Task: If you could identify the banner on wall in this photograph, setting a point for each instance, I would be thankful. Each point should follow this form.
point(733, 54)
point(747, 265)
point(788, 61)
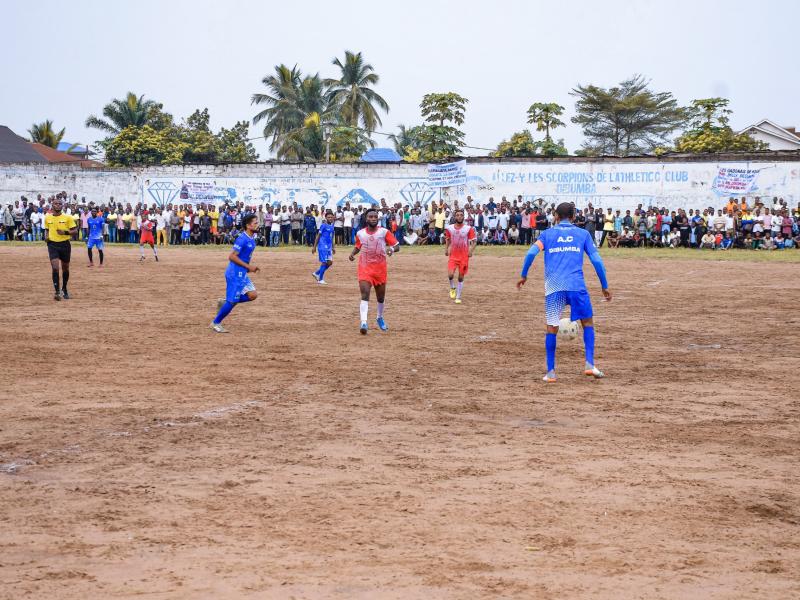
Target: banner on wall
point(735, 181)
point(447, 174)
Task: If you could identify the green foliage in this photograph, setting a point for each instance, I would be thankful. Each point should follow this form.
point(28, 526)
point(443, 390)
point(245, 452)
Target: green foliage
point(523, 144)
point(710, 130)
point(43, 133)
point(351, 96)
point(437, 140)
point(628, 119)
point(145, 146)
point(191, 142)
point(545, 116)
point(520, 144)
point(234, 145)
point(133, 111)
point(349, 143)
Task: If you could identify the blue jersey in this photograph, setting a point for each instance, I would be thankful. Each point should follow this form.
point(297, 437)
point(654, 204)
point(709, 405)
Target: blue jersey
point(325, 236)
point(95, 227)
point(564, 246)
point(243, 246)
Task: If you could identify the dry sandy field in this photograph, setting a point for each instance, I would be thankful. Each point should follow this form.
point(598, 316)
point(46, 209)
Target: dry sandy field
point(142, 455)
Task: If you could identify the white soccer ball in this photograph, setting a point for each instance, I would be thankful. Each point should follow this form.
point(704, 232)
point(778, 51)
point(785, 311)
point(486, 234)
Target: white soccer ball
point(568, 330)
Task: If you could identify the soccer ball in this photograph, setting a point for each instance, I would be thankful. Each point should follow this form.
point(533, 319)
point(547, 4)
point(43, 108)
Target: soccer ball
point(568, 330)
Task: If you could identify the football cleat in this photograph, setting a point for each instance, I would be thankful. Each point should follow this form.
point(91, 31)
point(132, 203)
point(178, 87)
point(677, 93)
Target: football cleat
point(458, 300)
point(550, 378)
point(363, 328)
point(322, 282)
point(382, 324)
point(594, 372)
point(218, 328)
point(65, 295)
point(452, 293)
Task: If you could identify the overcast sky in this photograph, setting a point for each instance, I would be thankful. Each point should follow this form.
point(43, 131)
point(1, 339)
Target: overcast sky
point(65, 60)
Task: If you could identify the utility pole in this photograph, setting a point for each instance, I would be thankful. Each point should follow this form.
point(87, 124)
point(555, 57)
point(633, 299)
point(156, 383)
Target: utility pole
point(327, 132)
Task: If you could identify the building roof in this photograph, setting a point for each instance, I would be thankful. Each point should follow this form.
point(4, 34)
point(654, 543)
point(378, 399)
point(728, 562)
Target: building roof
point(14, 149)
point(767, 127)
point(381, 155)
point(78, 149)
point(54, 156)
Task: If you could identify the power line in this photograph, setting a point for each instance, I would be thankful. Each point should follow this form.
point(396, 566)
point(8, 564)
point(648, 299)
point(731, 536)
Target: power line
point(263, 137)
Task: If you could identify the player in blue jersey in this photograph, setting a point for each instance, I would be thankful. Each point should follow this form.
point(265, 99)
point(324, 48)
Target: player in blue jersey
point(564, 246)
point(239, 287)
point(323, 244)
point(95, 239)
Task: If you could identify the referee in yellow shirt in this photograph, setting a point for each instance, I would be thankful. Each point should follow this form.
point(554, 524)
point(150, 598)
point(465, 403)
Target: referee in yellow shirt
point(58, 230)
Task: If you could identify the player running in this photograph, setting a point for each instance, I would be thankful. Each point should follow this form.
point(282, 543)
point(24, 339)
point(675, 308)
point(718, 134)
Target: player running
point(564, 284)
point(324, 244)
point(375, 244)
point(146, 237)
point(460, 241)
point(238, 284)
point(95, 239)
point(58, 230)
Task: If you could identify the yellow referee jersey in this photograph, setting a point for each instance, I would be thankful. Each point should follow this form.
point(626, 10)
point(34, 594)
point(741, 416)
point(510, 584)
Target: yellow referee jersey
point(53, 224)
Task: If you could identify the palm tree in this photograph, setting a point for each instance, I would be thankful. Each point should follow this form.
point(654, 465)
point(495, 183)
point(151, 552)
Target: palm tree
point(297, 111)
point(351, 93)
point(43, 133)
point(405, 137)
point(133, 111)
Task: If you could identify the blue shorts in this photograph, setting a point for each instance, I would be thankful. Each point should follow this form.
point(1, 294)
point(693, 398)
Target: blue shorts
point(90, 243)
point(580, 306)
point(237, 284)
point(185, 235)
point(325, 254)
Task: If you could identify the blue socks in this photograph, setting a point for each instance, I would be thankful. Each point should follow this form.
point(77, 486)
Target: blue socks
point(550, 347)
point(224, 312)
point(588, 344)
point(243, 298)
point(321, 271)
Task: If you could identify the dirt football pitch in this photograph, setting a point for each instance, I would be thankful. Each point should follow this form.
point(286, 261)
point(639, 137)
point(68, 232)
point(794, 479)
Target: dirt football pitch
point(142, 455)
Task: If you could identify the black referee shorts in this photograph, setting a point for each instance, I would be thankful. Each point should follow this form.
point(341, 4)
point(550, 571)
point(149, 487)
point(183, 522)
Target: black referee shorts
point(59, 250)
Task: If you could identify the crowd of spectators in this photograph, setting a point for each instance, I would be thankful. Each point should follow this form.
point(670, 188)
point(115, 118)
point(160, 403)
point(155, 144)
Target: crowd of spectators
point(743, 224)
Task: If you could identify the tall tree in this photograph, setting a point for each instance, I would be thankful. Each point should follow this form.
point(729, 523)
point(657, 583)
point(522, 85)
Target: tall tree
point(626, 119)
point(132, 111)
point(545, 116)
point(296, 112)
point(352, 94)
point(711, 132)
point(436, 139)
point(43, 133)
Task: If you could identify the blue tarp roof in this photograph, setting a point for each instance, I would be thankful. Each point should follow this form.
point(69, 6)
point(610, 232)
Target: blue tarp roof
point(381, 155)
point(64, 146)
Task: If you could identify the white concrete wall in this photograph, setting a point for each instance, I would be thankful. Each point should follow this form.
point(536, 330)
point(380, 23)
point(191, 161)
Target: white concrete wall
point(617, 184)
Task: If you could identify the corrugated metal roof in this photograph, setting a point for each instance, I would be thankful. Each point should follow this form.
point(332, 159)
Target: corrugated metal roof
point(381, 155)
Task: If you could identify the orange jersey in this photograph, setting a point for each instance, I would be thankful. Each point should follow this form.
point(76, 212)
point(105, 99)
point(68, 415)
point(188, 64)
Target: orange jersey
point(372, 255)
point(459, 237)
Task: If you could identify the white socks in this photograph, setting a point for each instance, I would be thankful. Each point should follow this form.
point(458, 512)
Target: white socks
point(458, 290)
point(380, 309)
point(364, 310)
point(452, 284)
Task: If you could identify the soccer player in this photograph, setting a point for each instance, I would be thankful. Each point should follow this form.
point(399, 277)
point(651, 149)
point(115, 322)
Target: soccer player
point(146, 237)
point(95, 238)
point(58, 230)
point(375, 244)
point(239, 287)
point(324, 244)
point(460, 242)
point(564, 284)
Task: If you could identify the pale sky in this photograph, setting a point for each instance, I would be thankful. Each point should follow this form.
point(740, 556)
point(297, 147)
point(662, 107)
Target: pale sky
point(65, 60)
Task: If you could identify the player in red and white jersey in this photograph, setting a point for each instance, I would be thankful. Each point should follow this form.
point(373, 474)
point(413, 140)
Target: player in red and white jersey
point(460, 241)
point(374, 244)
point(146, 236)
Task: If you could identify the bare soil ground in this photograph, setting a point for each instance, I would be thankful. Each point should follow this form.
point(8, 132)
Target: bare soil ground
point(143, 455)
